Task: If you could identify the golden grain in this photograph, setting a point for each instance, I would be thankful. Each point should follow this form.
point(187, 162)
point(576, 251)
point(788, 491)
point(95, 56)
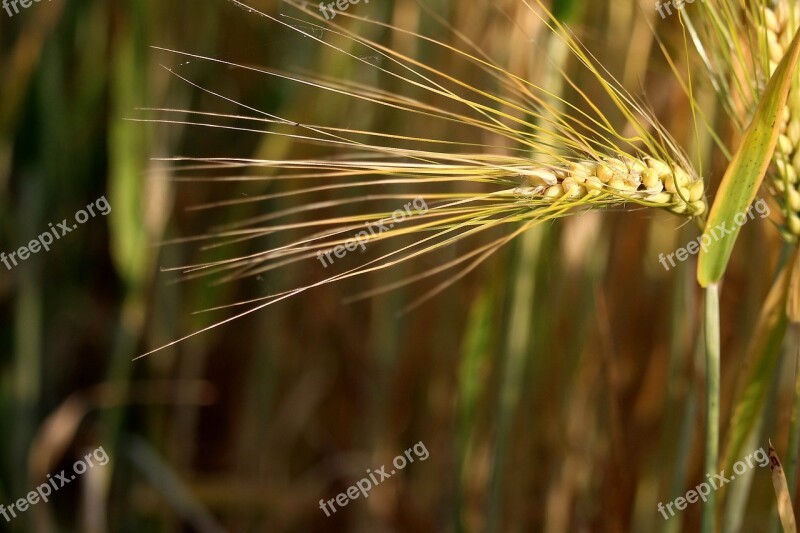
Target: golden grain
point(626, 179)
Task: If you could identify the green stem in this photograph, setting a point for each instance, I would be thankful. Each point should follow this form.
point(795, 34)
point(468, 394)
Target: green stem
point(794, 433)
point(519, 339)
point(712, 400)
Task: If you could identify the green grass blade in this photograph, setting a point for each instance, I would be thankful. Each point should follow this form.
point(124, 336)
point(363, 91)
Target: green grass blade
point(475, 354)
point(747, 168)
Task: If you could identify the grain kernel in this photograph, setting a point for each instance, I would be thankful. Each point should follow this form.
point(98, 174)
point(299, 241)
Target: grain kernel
point(570, 186)
point(593, 184)
point(772, 36)
point(771, 20)
point(793, 131)
point(581, 170)
point(660, 198)
point(659, 166)
point(698, 207)
point(650, 178)
point(794, 224)
point(604, 172)
point(775, 51)
point(785, 144)
point(669, 183)
point(682, 178)
point(794, 199)
point(680, 208)
point(553, 191)
point(696, 191)
point(791, 174)
point(617, 184)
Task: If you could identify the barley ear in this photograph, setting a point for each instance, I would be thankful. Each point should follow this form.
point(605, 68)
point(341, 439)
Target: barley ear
point(776, 28)
point(747, 168)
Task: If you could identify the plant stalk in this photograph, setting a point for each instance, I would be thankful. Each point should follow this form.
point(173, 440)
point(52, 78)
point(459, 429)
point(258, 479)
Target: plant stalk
point(709, 518)
point(794, 433)
point(793, 315)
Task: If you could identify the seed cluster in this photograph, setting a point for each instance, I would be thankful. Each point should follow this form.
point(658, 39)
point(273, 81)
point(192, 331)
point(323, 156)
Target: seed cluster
point(648, 180)
point(780, 21)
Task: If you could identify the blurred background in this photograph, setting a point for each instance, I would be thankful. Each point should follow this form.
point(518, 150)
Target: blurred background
point(557, 388)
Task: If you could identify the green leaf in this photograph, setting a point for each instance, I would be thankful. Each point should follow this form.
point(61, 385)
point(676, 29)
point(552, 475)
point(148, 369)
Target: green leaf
point(747, 168)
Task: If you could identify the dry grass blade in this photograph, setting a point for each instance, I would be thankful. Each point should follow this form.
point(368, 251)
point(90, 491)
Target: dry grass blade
point(785, 510)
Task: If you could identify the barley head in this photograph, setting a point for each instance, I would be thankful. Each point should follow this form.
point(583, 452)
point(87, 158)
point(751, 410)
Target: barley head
point(741, 44)
point(547, 158)
point(779, 25)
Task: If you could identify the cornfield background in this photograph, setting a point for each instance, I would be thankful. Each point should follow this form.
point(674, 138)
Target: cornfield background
point(557, 387)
